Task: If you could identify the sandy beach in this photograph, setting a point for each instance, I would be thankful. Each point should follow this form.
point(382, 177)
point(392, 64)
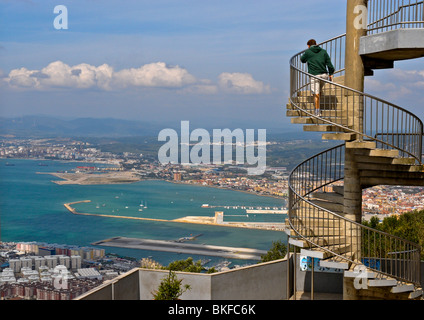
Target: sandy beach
point(91, 179)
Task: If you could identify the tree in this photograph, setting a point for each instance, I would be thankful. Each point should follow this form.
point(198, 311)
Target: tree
point(170, 288)
point(188, 266)
point(408, 226)
point(277, 251)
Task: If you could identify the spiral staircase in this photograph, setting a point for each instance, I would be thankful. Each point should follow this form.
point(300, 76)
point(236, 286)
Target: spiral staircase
point(381, 144)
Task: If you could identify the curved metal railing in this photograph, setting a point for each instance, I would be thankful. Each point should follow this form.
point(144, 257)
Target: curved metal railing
point(372, 119)
point(389, 15)
point(381, 252)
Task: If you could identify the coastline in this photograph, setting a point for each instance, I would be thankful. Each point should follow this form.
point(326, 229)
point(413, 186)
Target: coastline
point(120, 177)
point(94, 179)
point(128, 177)
point(223, 188)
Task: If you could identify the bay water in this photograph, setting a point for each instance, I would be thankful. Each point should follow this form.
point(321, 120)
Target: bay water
point(32, 209)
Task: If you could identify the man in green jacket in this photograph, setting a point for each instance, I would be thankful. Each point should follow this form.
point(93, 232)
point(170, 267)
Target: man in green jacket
point(319, 65)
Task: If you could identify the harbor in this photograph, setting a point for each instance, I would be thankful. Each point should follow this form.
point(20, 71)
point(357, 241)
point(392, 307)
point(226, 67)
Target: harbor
point(217, 219)
point(249, 209)
point(182, 247)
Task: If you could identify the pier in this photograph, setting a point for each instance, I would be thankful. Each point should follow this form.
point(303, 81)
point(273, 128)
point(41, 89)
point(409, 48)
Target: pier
point(250, 209)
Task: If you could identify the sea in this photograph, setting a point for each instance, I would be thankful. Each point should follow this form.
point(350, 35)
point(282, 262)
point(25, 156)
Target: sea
point(32, 209)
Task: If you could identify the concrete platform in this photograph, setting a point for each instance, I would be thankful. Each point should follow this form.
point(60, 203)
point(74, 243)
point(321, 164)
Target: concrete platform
point(393, 45)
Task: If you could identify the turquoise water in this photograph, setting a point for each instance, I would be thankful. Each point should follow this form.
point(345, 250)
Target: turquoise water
point(31, 209)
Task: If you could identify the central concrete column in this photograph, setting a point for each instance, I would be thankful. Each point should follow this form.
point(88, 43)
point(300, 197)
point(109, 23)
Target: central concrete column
point(355, 29)
point(352, 202)
point(356, 17)
point(356, 14)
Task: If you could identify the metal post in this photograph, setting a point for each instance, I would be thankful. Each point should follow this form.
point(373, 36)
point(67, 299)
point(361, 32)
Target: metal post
point(294, 273)
point(312, 278)
point(288, 268)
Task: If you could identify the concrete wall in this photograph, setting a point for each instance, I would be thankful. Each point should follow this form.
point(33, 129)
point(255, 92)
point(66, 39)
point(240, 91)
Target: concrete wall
point(123, 287)
point(325, 282)
point(264, 281)
point(200, 284)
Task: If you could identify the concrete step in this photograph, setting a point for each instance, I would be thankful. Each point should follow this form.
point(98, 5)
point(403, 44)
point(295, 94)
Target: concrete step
point(328, 240)
point(337, 262)
point(418, 292)
point(403, 287)
point(312, 120)
point(312, 210)
point(324, 128)
point(389, 167)
point(338, 189)
point(332, 206)
point(339, 80)
point(319, 222)
point(371, 181)
point(339, 136)
point(326, 252)
point(388, 153)
point(324, 113)
point(382, 282)
point(404, 161)
point(328, 99)
point(322, 235)
point(324, 104)
point(360, 144)
point(401, 175)
point(385, 160)
point(328, 196)
point(314, 231)
point(310, 106)
point(326, 90)
point(355, 272)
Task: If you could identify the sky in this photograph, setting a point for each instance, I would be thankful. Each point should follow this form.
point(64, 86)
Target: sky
point(214, 63)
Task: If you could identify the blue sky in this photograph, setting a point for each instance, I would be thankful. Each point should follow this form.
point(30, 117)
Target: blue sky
point(215, 63)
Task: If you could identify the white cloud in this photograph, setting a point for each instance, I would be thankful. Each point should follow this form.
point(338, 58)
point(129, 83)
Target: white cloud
point(396, 84)
point(59, 74)
point(378, 86)
point(241, 83)
point(204, 86)
point(153, 75)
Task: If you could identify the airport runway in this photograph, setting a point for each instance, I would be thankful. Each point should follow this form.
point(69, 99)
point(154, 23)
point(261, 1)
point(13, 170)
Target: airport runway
point(182, 247)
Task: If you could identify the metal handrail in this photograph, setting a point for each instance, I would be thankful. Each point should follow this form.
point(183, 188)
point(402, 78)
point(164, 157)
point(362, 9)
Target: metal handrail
point(316, 174)
point(387, 15)
point(378, 115)
point(377, 118)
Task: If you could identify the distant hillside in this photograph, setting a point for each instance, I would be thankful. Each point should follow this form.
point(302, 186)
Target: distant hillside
point(39, 126)
point(43, 126)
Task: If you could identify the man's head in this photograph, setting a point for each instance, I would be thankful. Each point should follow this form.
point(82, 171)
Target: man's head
point(311, 42)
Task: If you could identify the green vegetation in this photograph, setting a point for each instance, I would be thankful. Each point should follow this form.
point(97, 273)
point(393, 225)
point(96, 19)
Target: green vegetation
point(188, 266)
point(170, 288)
point(277, 251)
point(408, 226)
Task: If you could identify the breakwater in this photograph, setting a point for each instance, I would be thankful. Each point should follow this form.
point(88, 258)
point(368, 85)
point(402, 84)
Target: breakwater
point(189, 219)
